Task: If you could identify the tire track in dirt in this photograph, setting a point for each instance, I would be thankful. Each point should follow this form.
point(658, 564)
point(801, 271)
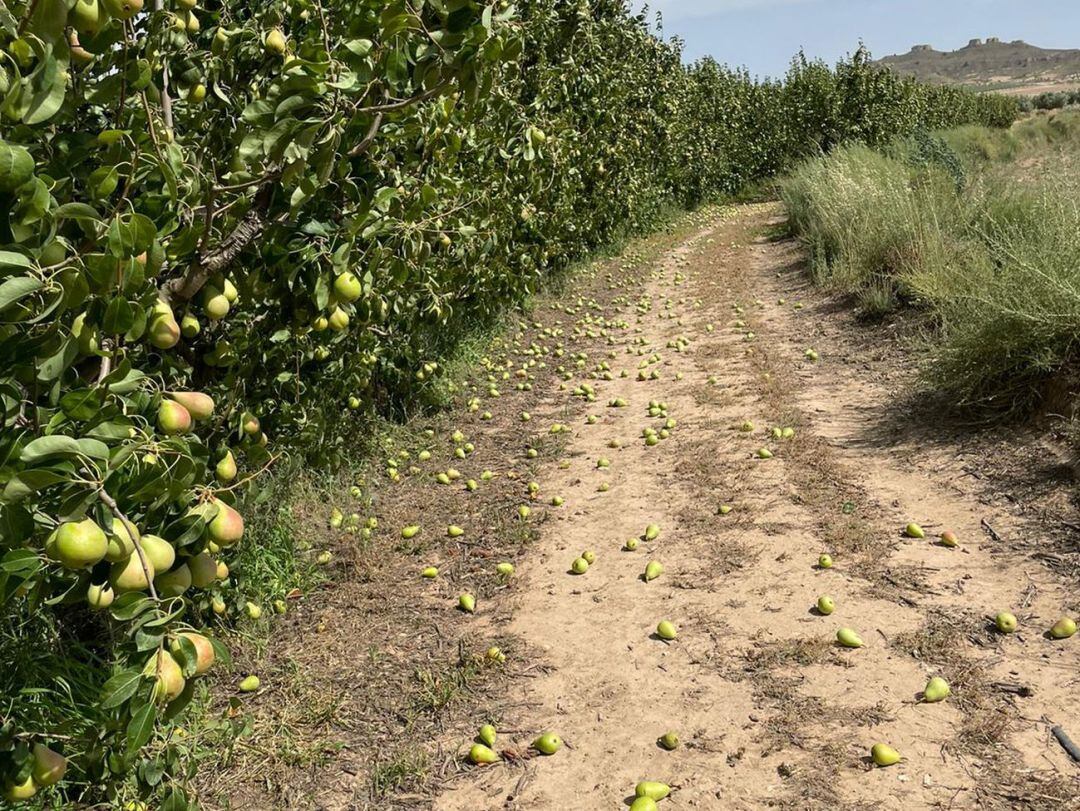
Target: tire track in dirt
point(770, 711)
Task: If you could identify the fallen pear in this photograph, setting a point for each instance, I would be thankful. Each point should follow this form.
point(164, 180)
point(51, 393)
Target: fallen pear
point(666, 630)
point(547, 744)
point(669, 740)
point(652, 532)
point(948, 538)
point(652, 789)
point(524, 512)
point(486, 735)
point(825, 604)
point(653, 569)
point(1063, 628)
point(824, 561)
point(631, 544)
point(1005, 622)
point(482, 755)
point(914, 531)
point(467, 603)
point(589, 556)
point(884, 755)
point(249, 684)
point(764, 453)
point(430, 572)
point(848, 638)
point(579, 566)
point(504, 569)
point(410, 531)
point(937, 689)
point(454, 531)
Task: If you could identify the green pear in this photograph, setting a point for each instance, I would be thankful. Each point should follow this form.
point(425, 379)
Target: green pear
point(250, 684)
point(524, 512)
point(504, 569)
point(21, 791)
point(200, 406)
point(430, 572)
point(825, 604)
point(653, 570)
point(547, 744)
point(203, 570)
point(652, 532)
point(467, 603)
point(579, 566)
point(77, 544)
point(99, 596)
point(173, 418)
point(948, 538)
point(666, 630)
point(652, 789)
point(589, 556)
point(454, 531)
point(669, 740)
point(225, 470)
point(348, 287)
point(631, 544)
point(160, 554)
point(482, 755)
point(123, 9)
point(914, 531)
point(174, 583)
point(1005, 622)
point(486, 735)
point(824, 561)
point(1063, 628)
point(275, 42)
point(764, 453)
point(848, 638)
point(644, 804)
point(936, 690)
point(884, 755)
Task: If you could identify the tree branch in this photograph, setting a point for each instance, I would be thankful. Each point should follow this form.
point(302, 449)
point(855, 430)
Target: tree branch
point(206, 264)
point(369, 138)
point(110, 502)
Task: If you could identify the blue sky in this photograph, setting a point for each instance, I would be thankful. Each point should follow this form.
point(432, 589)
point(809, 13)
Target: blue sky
point(764, 34)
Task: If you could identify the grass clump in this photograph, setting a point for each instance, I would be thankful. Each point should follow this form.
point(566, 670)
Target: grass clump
point(957, 226)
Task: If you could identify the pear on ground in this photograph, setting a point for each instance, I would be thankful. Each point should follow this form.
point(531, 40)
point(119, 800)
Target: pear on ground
point(884, 755)
point(547, 744)
point(653, 570)
point(644, 804)
point(1063, 628)
point(666, 630)
point(937, 689)
point(652, 789)
point(913, 530)
point(848, 638)
point(1005, 622)
point(482, 755)
point(487, 735)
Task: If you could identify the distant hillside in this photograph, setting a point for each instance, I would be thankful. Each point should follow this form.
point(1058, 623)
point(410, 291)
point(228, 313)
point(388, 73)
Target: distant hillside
point(992, 64)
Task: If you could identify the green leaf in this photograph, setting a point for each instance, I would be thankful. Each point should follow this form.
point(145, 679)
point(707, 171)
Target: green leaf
point(81, 404)
point(120, 687)
point(48, 85)
point(140, 728)
point(47, 447)
point(22, 562)
point(28, 482)
point(16, 166)
point(17, 288)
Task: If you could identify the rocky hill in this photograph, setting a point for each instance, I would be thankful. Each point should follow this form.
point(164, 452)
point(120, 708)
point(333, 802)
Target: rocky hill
point(992, 64)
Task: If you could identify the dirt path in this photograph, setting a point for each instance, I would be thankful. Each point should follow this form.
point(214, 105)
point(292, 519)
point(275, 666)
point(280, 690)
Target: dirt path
point(770, 711)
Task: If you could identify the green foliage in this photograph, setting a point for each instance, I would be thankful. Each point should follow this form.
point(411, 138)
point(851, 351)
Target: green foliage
point(297, 208)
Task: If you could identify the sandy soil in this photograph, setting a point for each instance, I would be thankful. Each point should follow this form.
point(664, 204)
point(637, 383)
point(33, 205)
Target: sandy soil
point(769, 710)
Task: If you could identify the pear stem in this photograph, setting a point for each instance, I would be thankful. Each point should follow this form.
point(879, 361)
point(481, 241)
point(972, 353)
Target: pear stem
point(133, 533)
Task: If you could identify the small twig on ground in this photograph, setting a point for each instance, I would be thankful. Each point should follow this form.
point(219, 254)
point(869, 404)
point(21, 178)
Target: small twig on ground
point(1066, 742)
